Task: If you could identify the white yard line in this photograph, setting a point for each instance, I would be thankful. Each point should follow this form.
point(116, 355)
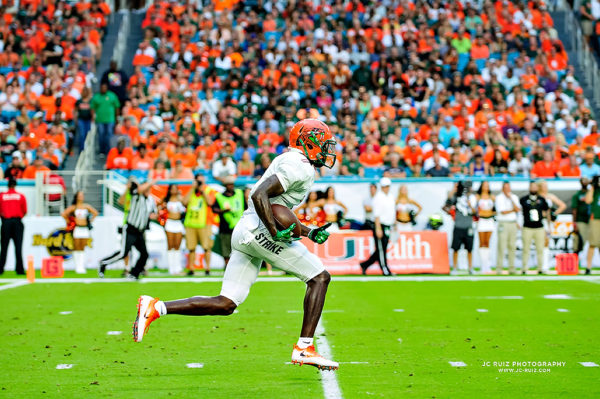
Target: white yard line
point(13, 284)
point(331, 388)
point(594, 279)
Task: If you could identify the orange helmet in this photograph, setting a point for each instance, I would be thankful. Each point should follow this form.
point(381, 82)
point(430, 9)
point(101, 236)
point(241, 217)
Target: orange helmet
point(314, 139)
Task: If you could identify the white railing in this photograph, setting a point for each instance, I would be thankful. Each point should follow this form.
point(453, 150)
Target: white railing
point(582, 51)
point(124, 29)
point(85, 162)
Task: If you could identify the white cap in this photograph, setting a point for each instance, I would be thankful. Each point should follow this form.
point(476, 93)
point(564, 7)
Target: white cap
point(385, 182)
point(413, 142)
point(570, 79)
point(405, 107)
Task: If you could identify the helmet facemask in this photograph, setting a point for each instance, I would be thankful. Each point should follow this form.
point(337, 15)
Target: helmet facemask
point(326, 157)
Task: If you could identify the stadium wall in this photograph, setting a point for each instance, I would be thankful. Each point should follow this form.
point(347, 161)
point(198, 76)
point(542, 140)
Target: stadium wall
point(46, 235)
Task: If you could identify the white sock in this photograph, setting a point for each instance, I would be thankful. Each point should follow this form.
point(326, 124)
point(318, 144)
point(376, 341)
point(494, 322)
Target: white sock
point(546, 263)
point(161, 308)
point(170, 261)
point(78, 259)
point(484, 258)
point(304, 343)
point(176, 261)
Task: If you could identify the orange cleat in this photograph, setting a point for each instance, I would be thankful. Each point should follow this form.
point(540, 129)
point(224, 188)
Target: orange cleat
point(146, 314)
point(312, 358)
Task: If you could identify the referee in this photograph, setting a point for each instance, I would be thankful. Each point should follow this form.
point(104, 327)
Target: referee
point(534, 209)
point(384, 214)
point(142, 208)
point(13, 207)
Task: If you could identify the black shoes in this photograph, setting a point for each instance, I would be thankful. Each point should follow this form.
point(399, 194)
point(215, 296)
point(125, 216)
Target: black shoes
point(364, 269)
point(588, 272)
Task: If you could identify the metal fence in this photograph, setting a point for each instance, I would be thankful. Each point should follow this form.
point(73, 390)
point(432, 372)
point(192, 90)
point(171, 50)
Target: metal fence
point(124, 29)
point(582, 51)
point(54, 190)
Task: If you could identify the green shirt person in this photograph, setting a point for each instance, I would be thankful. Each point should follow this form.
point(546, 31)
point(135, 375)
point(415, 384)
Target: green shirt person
point(105, 105)
point(462, 44)
point(592, 198)
point(581, 214)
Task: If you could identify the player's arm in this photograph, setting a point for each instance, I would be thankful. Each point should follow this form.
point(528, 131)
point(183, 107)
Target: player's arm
point(269, 188)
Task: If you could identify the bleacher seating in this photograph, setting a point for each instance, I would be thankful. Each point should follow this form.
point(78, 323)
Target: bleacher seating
point(49, 54)
point(498, 71)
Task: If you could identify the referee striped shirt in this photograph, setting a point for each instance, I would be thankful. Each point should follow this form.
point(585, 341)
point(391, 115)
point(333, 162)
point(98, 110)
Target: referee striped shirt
point(139, 211)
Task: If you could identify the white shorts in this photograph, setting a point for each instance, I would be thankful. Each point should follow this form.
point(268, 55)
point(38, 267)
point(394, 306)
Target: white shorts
point(174, 226)
point(251, 244)
point(405, 226)
point(486, 225)
point(80, 232)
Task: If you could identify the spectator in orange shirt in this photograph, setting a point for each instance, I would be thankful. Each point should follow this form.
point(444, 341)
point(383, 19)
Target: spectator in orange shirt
point(119, 157)
point(571, 169)
point(369, 158)
point(36, 166)
point(480, 50)
point(132, 108)
point(142, 160)
point(413, 157)
point(546, 167)
point(47, 103)
point(180, 171)
point(385, 110)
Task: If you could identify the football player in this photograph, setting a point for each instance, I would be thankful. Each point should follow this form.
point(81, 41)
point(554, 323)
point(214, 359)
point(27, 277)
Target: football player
point(256, 238)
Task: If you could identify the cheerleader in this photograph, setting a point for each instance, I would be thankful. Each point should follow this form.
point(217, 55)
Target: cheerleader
point(174, 209)
point(555, 207)
point(407, 210)
point(311, 211)
point(334, 209)
point(485, 224)
point(80, 215)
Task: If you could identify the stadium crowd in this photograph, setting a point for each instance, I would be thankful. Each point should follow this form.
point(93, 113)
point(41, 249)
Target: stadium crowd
point(409, 88)
point(48, 56)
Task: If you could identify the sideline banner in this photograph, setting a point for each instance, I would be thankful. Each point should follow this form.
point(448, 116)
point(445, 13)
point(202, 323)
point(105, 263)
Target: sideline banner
point(412, 253)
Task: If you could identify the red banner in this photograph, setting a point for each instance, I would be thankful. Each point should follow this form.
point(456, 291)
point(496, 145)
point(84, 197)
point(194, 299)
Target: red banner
point(413, 253)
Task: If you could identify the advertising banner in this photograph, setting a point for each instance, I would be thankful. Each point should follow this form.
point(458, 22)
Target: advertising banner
point(412, 252)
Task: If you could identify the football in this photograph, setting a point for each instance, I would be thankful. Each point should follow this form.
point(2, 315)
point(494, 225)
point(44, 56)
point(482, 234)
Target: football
point(284, 217)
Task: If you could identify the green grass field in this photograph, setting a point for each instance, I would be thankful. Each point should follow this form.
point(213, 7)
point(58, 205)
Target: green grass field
point(393, 339)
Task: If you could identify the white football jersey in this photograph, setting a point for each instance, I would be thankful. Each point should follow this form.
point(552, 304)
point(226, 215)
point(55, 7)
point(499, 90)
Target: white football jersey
point(296, 175)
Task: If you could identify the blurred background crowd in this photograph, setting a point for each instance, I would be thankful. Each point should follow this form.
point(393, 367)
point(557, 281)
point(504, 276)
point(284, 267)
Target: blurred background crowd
point(410, 88)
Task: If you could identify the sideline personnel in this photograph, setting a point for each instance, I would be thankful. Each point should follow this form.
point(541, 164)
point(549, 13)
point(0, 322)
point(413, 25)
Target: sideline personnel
point(13, 207)
point(384, 213)
point(229, 206)
point(507, 209)
point(141, 211)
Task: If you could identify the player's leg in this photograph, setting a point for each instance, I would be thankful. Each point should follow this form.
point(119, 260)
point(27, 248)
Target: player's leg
point(382, 245)
point(364, 265)
point(527, 236)
point(4, 241)
point(296, 259)
point(239, 277)
point(314, 300)
point(140, 245)
point(127, 241)
point(18, 243)
point(191, 242)
point(206, 242)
